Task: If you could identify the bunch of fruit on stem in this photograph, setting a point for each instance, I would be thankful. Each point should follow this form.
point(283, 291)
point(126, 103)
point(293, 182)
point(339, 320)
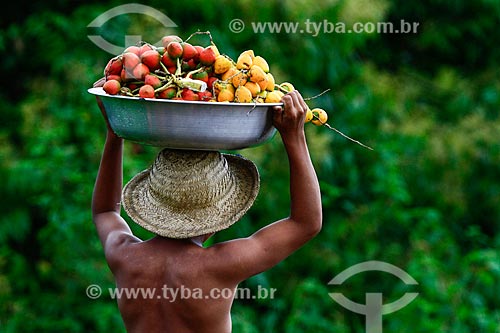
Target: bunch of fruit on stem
point(182, 71)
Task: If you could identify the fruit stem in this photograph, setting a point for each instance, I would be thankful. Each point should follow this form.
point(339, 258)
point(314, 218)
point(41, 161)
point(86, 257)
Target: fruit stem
point(165, 86)
point(339, 132)
point(178, 71)
point(200, 33)
point(201, 69)
point(316, 96)
point(165, 69)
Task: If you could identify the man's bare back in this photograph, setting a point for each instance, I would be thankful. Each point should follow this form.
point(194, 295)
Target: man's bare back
point(161, 263)
point(175, 274)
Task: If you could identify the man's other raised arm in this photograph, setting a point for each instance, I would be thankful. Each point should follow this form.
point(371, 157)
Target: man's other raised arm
point(107, 192)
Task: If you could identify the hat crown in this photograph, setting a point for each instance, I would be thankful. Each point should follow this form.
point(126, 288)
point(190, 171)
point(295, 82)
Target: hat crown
point(187, 179)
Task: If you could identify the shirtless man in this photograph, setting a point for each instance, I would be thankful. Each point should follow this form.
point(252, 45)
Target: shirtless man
point(185, 262)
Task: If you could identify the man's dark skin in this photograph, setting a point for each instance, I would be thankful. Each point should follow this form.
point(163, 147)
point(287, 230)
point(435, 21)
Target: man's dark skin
point(185, 263)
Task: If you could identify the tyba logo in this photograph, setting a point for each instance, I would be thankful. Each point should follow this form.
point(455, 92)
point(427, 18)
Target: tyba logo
point(373, 308)
point(131, 8)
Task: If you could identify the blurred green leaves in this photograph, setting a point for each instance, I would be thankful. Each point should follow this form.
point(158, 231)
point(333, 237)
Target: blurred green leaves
point(426, 199)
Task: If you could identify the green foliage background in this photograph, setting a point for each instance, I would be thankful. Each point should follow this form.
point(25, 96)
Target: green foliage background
point(426, 200)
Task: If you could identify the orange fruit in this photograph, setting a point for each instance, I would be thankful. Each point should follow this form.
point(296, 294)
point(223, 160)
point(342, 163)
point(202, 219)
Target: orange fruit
point(239, 79)
point(309, 116)
point(287, 86)
point(243, 95)
point(221, 64)
point(256, 74)
point(253, 87)
point(244, 61)
point(261, 62)
point(270, 82)
point(225, 95)
point(273, 97)
point(229, 74)
point(320, 116)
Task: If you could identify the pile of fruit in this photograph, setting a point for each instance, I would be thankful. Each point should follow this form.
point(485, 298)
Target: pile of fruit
point(180, 70)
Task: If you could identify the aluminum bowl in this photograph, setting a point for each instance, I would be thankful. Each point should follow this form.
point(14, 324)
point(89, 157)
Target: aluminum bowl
point(188, 125)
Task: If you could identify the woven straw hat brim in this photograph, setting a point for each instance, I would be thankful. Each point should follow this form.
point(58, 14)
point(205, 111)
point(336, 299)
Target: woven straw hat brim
point(194, 221)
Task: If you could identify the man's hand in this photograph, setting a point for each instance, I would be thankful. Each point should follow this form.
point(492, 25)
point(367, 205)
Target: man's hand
point(289, 119)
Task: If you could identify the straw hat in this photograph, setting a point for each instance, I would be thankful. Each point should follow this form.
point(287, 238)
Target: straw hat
point(188, 193)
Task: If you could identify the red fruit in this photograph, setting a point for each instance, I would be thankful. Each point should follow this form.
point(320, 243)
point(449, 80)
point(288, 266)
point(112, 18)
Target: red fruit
point(147, 91)
point(202, 76)
point(165, 40)
point(174, 49)
point(189, 95)
point(140, 72)
point(188, 51)
point(186, 66)
point(126, 75)
point(167, 61)
point(207, 56)
point(210, 82)
point(130, 60)
point(199, 49)
point(153, 81)
point(114, 66)
point(112, 87)
point(172, 69)
point(133, 86)
point(205, 95)
point(168, 93)
point(114, 77)
point(133, 49)
point(151, 59)
point(192, 63)
point(145, 48)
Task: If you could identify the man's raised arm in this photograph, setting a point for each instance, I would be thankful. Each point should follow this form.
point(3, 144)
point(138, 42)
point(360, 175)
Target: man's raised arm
point(246, 257)
point(107, 191)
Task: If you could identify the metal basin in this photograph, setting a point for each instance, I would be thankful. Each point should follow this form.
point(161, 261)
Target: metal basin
point(188, 125)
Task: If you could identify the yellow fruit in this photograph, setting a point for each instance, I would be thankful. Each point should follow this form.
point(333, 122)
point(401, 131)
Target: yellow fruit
point(239, 79)
point(320, 116)
point(263, 94)
point(221, 85)
point(250, 53)
point(261, 62)
point(263, 84)
point(309, 115)
point(253, 87)
point(270, 82)
point(221, 64)
point(287, 86)
point(225, 95)
point(243, 95)
point(273, 97)
point(244, 61)
point(228, 75)
point(256, 74)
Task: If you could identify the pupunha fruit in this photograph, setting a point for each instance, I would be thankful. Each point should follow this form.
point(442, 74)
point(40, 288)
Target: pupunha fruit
point(147, 91)
point(112, 87)
point(243, 95)
point(320, 116)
